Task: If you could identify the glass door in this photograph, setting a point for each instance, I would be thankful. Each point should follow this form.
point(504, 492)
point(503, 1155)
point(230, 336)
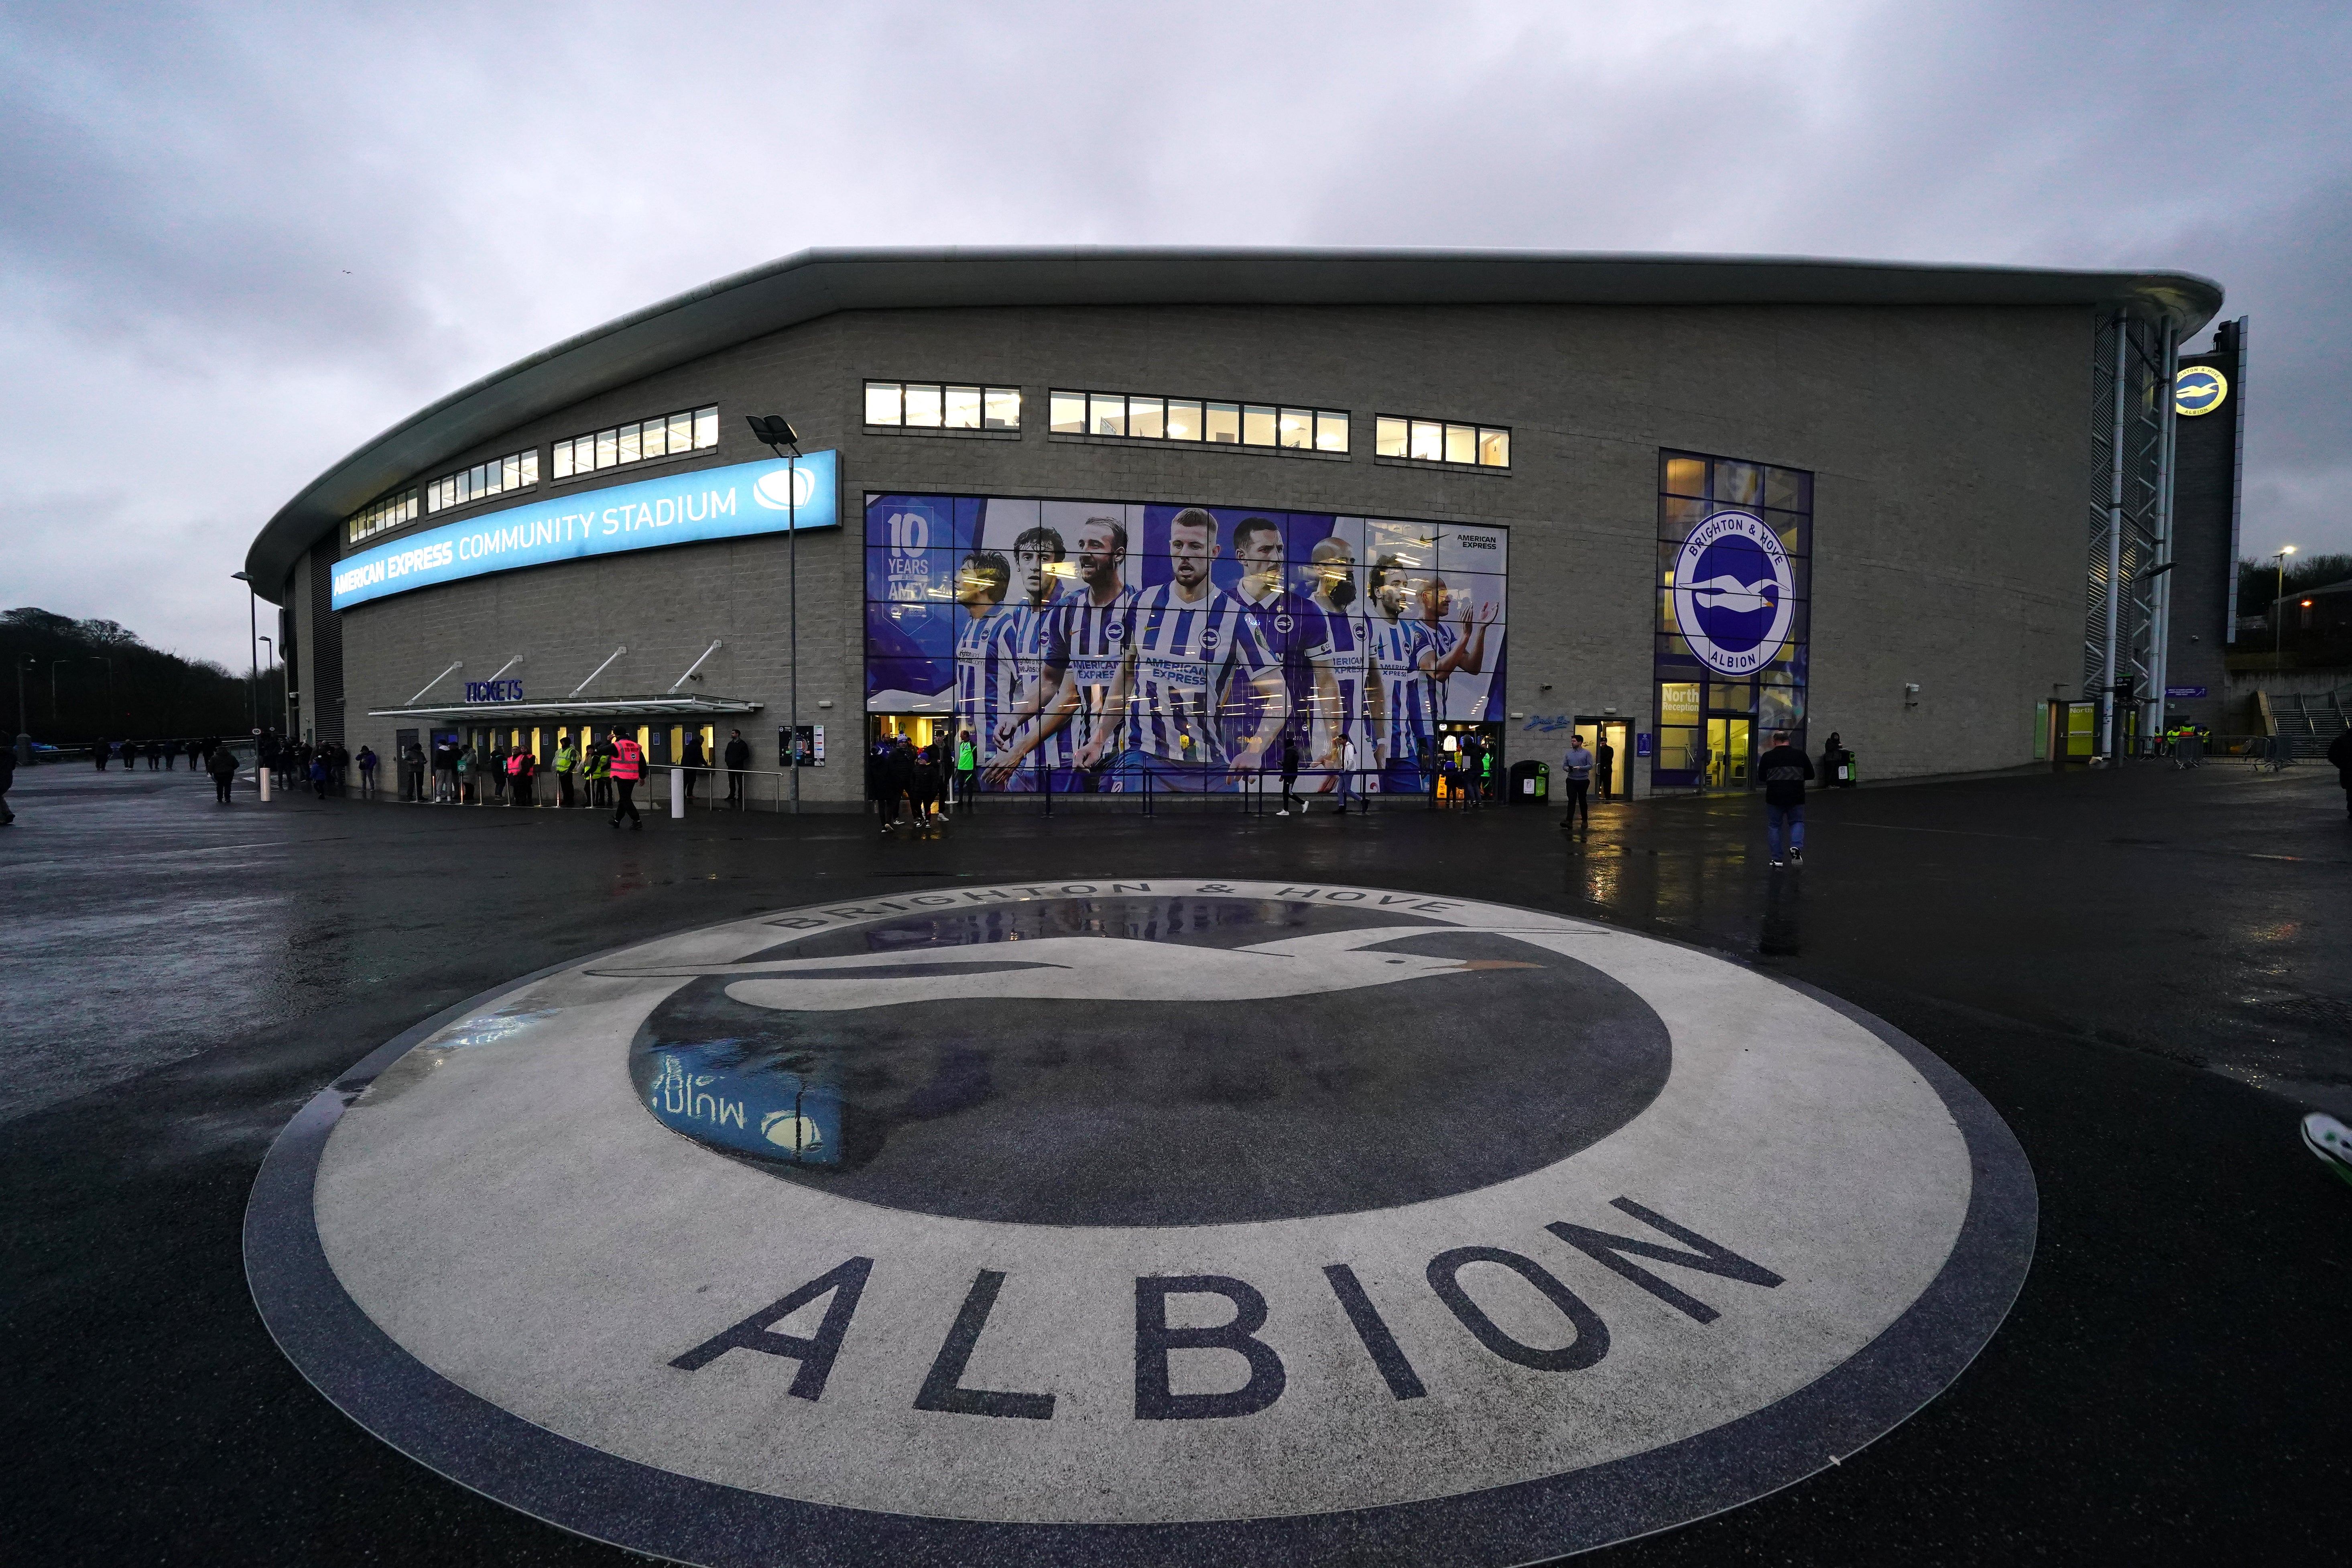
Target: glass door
point(1729, 752)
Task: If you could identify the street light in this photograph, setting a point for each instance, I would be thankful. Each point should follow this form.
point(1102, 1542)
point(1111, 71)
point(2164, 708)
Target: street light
point(2278, 608)
point(772, 431)
point(252, 654)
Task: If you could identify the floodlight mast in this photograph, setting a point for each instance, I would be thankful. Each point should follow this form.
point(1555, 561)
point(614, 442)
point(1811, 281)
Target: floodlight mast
point(778, 436)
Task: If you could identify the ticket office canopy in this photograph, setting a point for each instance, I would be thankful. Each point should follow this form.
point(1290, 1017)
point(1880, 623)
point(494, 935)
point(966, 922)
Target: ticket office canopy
point(609, 709)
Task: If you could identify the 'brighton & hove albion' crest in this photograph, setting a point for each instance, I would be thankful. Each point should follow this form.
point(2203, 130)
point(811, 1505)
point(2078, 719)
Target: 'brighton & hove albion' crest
point(1734, 593)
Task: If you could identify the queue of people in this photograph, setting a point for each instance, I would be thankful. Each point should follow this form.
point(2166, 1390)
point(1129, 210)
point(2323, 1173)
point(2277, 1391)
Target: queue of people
point(604, 773)
point(900, 774)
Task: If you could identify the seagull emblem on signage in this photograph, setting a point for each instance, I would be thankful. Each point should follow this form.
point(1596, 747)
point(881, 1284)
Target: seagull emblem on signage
point(1079, 969)
point(1731, 593)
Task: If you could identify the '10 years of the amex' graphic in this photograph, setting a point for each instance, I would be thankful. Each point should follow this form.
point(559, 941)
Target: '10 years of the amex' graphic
point(1285, 1221)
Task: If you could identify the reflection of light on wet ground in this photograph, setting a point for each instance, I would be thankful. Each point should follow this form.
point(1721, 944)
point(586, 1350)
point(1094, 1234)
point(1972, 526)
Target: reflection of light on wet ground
point(490, 1029)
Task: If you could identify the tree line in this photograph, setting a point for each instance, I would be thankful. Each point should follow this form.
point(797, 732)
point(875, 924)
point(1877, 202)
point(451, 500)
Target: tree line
point(87, 679)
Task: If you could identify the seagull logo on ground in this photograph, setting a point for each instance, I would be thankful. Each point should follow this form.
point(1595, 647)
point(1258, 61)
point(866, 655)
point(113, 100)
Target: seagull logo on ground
point(1081, 969)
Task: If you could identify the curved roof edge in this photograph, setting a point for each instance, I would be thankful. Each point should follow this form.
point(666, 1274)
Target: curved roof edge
point(817, 283)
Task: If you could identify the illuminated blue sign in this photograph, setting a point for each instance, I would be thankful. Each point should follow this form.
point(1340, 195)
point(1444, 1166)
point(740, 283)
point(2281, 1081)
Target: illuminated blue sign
point(494, 691)
point(678, 509)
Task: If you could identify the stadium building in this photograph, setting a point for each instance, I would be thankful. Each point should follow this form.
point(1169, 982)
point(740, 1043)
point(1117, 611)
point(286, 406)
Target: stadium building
point(1130, 517)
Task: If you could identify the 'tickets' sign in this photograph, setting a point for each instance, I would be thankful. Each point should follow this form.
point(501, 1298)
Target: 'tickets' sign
point(679, 508)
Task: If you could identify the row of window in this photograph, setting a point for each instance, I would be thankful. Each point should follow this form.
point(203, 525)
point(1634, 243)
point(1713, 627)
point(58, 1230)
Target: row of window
point(935, 405)
point(390, 513)
point(1197, 419)
point(689, 430)
point(1436, 441)
point(514, 471)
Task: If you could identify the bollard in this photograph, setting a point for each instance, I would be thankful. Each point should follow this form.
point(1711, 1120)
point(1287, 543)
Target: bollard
point(677, 792)
point(263, 774)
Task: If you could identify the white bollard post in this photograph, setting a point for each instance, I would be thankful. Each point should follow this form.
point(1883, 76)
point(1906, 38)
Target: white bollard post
point(263, 774)
point(677, 792)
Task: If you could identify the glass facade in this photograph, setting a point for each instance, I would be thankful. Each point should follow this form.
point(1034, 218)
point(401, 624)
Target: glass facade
point(669, 435)
point(1440, 441)
point(389, 513)
point(1734, 590)
point(942, 405)
point(516, 470)
point(1086, 644)
point(1128, 417)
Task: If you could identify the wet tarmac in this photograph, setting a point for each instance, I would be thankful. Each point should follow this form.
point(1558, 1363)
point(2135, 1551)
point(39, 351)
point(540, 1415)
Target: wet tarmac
point(2147, 974)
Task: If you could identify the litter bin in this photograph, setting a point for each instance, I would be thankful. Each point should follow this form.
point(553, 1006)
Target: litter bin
point(1530, 783)
point(1842, 774)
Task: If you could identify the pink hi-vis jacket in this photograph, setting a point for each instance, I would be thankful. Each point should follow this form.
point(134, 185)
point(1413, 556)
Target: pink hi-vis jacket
point(627, 760)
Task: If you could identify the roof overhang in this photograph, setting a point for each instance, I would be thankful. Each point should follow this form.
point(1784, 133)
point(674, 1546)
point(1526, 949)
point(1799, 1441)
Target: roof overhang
point(595, 707)
point(818, 283)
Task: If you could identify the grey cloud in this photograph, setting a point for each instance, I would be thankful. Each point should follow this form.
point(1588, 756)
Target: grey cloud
point(183, 190)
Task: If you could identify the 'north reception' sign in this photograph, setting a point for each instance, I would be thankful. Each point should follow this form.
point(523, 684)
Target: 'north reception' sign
point(678, 509)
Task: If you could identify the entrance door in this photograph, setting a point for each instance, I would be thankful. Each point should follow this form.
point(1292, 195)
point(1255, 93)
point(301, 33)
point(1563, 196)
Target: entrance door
point(1614, 785)
point(1729, 752)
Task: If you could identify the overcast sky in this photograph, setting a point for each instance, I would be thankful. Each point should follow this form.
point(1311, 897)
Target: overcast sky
point(239, 241)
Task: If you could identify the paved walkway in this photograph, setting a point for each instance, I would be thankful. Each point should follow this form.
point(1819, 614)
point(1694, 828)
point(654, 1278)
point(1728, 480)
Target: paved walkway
point(2146, 974)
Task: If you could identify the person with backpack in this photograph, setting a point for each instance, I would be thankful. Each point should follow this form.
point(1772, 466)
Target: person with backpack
point(1784, 770)
point(627, 765)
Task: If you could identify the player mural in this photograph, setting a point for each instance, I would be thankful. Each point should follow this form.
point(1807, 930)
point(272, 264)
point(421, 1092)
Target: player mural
point(1106, 647)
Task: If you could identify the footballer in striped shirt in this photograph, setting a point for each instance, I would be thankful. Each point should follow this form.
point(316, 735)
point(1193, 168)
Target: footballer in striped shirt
point(1289, 627)
point(1405, 658)
point(986, 663)
point(1085, 654)
point(1343, 679)
point(1039, 561)
point(1194, 661)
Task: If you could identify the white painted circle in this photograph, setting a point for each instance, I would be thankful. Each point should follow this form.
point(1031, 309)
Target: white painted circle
point(501, 1204)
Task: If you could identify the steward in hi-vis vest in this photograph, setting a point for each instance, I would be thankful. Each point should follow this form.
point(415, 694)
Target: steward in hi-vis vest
point(628, 765)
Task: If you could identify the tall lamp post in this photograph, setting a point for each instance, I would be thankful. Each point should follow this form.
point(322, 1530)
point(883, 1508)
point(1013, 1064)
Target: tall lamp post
point(252, 653)
point(772, 432)
point(2278, 607)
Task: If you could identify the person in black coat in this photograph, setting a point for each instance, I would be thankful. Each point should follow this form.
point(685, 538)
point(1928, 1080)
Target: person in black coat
point(222, 765)
point(2339, 752)
point(690, 759)
point(1290, 775)
point(926, 785)
point(738, 758)
point(897, 770)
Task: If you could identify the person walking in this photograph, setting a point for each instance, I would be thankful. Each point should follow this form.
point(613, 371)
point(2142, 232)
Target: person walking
point(2339, 754)
point(738, 757)
point(1604, 769)
point(98, 753)
point(1576, 780)
point(1784, 770)
point(897, 770)
point(1290, 775)
point(196, 751)
point(927, 785)
point(317, 772)
point(367, 771)
point(222, 765)
point(566, 759)
point(1347, 759)
point(628, 764)
point(8, 778)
